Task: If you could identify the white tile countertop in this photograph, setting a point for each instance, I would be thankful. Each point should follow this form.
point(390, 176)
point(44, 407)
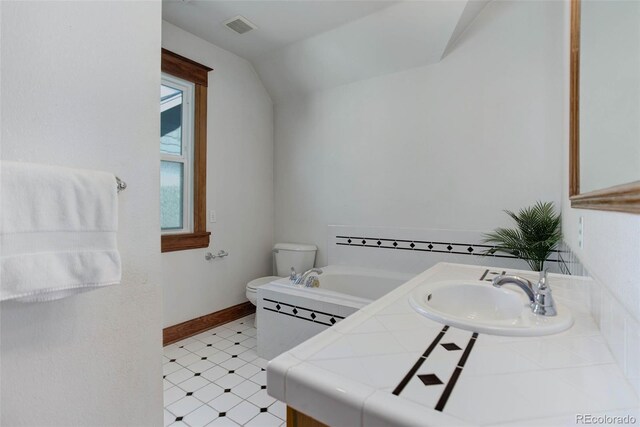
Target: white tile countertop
point(389, 365)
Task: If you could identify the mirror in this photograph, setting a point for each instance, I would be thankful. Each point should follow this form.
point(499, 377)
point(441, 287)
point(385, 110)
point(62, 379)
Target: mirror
point(605, 105)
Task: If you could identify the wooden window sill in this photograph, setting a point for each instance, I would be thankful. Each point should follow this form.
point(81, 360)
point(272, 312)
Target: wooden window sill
point(181, 242)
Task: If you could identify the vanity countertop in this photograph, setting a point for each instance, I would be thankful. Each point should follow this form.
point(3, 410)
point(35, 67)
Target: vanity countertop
point(389, 365)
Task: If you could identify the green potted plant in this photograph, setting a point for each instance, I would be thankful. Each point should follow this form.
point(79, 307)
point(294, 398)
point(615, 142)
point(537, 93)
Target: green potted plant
point(536, 236)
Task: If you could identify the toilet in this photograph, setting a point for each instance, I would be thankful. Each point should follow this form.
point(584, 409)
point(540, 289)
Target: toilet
point(286, 255)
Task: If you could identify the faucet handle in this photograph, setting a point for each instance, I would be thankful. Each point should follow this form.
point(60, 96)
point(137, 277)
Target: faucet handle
point(293, 274)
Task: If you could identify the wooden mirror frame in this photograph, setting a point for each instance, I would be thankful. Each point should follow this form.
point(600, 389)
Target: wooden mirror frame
point(621, 198)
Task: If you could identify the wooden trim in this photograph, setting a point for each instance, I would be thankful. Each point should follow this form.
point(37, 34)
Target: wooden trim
point(195, 326)
point(200, 161)
point(298, 419)
point(620, 198)
point(187, 69)
point(180, 242)
point(574, 101)
point(184, 68)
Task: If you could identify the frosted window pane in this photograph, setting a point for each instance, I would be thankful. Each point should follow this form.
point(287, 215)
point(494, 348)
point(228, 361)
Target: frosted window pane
point(170, 120)
point(171, 195)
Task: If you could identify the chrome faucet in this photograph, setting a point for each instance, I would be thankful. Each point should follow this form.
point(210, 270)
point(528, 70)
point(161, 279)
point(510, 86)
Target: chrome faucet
point(297, 279)
point(540, 298)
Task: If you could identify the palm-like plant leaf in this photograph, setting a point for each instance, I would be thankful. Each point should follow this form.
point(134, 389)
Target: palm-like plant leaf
point(536, 236)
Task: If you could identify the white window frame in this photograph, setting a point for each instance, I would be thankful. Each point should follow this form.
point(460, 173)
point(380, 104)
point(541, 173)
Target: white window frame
point(186, 158)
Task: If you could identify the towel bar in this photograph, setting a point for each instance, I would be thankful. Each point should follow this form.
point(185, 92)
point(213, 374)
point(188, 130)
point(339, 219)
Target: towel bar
point(121, 185)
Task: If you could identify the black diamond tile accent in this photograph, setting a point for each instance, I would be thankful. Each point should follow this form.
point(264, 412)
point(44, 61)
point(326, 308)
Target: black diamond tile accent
point(197, 374)
point(227, 390)
point(379, 242)
point(449, 247)
point(364, 242)
point(235, 355)
point(470, 249)
point(264, 409)
point(278, 307)
point(231, 372)
point(190, 393)
point(313, 315)
point(164, 376)
point(222, 414)
point(172, 360)
point(181, 346)
point(332, 320)
point(262, 369)
point(263, 387)
point(203, 358)
point(239, 332)
point(237, 343)
point(395, 244)
point(208, 345)
point(295, 311)
point(450, 346)
point(242, 323)
point(178, 419)
point(430, 246)
point(429, 379)
point(412, 245)
point(214, 333)
point(349, 241)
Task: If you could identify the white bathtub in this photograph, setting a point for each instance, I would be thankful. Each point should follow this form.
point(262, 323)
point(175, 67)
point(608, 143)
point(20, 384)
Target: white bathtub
point(287, 315)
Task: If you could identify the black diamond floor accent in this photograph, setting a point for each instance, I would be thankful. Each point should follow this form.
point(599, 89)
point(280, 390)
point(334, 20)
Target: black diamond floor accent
point(263, 387)
point(178, 419)
point(278, 307)
point(203, 358)
point(197, 374)
point(430, 246)
point(450, 346)
point(264, 409)
point(470, 249)
point(222, 414)
point(227, 390)
point(379, 242)
point(412, 245)
point(295, 311)
point(235, 355)
point(332, 320)
point(349, 241)
point(313, 315)
point(239, 332)
point(429, 379)
point(449, 247)
point(231, 372)
point(364, 241)
point(190, 393)
point(208, 345)
point(172, 360)
point(395, 244)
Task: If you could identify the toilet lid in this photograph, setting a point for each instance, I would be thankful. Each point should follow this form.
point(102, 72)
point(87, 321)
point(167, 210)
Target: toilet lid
point(261, 281)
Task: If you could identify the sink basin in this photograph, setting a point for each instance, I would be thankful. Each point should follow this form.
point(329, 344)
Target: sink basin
point(478, 306)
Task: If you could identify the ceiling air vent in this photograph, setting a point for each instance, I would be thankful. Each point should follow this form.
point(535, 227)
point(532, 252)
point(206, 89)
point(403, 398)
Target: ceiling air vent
point(240, 24)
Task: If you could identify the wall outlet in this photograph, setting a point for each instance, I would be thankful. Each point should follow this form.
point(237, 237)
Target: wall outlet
point(212, 216)
point(581, 232)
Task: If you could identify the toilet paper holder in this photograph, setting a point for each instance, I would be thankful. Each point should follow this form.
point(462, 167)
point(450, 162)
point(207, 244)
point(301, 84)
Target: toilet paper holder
point(221, 254)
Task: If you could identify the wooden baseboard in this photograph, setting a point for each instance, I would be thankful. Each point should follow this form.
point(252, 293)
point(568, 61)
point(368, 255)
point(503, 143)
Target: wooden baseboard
point(195, 326)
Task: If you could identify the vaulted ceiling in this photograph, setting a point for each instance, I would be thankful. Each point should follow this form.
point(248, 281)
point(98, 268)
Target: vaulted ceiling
point(307, 45)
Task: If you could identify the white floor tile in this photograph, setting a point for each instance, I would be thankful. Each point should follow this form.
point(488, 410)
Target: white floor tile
point(201, 416)
point(245, 389)
point(243, 412)
point(261, 399)
point(183, 406)
point(178, 376)
point(208, 392)
point(225, 402)
point(264, 419)
point(193, 384)
point(173, 394)
point(231, 388)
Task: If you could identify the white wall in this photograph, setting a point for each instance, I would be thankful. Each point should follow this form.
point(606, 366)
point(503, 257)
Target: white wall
point(239, 186)
point(444, 146)
point(611, 255)
point(80, 89)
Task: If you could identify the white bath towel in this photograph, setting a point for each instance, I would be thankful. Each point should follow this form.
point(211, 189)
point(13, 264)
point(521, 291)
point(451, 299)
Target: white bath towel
point(58, 231)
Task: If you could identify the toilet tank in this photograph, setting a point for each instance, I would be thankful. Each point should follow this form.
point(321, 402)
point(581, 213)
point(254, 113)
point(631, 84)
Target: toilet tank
point(299, 256)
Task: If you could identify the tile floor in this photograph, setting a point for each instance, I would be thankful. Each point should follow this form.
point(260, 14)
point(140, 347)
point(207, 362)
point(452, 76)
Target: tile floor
point(217, 379)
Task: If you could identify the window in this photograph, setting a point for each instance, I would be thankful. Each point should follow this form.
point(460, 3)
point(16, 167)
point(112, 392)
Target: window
point(183, 151)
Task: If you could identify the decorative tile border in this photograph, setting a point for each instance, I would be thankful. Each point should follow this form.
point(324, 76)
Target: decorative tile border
point(454, 248)
point(320, 317)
